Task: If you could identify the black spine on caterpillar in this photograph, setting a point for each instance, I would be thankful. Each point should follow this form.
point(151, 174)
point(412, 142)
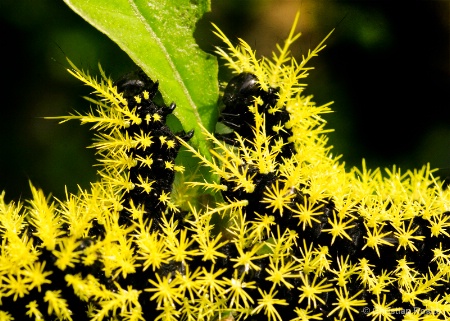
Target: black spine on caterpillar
point(140, 92)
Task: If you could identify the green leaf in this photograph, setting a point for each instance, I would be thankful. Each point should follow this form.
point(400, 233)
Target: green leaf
point(158, 36)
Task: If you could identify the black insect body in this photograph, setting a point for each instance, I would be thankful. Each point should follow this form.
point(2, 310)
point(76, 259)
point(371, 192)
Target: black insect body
point(239, 95)
point(159, 169)
point(135, 83)
point(239, 99)
point(238, 114)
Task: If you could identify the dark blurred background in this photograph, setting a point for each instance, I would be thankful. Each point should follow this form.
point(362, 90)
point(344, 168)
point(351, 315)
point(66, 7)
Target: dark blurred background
point(386, 67)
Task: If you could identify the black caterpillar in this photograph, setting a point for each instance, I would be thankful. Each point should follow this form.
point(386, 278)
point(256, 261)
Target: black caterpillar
point(162, 151)
point(239, 94)
point(137, 86)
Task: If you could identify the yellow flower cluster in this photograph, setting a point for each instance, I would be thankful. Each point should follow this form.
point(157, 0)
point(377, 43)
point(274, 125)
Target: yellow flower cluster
point(295, 237)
